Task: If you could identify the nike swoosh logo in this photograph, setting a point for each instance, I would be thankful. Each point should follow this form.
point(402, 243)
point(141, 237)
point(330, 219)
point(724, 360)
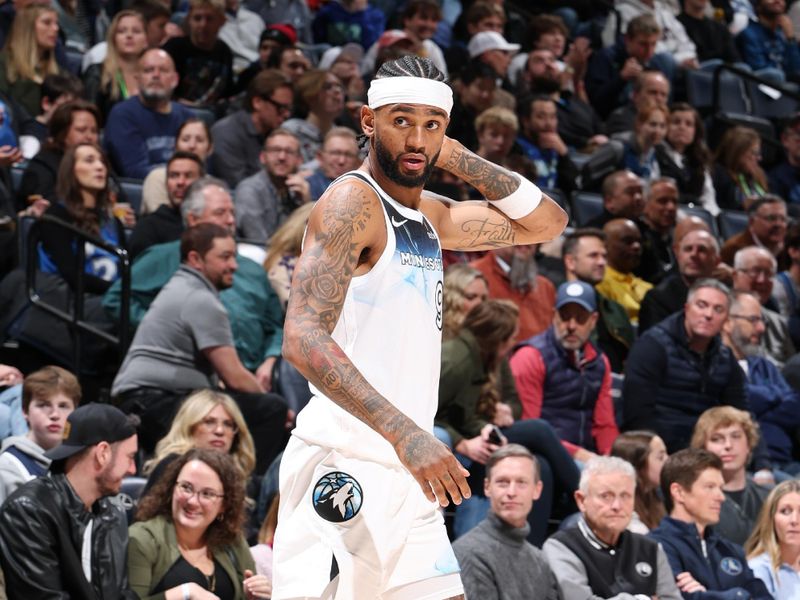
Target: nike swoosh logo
point(399, 223)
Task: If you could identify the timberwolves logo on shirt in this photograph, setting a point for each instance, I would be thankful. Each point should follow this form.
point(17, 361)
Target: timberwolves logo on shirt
point(337, 497)
point(730, 565)
point(644, 569)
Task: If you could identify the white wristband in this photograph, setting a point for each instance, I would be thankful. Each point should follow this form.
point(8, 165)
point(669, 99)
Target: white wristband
point(522, 202)
point(185, 591)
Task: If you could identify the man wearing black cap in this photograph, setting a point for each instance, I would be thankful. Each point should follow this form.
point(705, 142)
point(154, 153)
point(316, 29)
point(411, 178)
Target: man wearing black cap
point(563, 378)
point(60, 536)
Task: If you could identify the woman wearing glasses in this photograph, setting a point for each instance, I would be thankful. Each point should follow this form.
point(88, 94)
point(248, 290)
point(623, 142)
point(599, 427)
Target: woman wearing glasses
point(187, 542)
point(209, 420)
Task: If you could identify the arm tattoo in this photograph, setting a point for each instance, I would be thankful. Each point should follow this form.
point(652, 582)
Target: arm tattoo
point(319, 286)
point(494, 231)
point(491, 180)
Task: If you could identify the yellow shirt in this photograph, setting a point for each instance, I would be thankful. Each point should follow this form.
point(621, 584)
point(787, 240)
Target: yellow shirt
point(627, 289)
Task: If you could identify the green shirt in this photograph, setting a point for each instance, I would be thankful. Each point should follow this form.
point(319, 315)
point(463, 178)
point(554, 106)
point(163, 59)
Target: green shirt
point(253, 308)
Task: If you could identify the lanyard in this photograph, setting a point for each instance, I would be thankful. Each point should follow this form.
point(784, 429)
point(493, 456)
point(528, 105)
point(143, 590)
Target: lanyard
point(748, 192)
point(121, 83)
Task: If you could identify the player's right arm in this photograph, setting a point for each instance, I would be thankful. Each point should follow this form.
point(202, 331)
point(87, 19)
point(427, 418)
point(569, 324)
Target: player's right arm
point(346, 223)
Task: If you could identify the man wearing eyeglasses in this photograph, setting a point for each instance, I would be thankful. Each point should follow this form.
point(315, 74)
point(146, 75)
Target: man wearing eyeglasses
point(239, 137)
point(266, 199)
point(754, 271)
point(338, 155)
point(774, 403)
point(766, 228)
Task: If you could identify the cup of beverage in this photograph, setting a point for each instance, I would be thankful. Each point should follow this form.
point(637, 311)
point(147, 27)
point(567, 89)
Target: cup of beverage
point(121, 210)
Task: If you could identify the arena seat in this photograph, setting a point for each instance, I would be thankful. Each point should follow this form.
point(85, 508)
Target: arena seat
point(731, 222)
point(586, 206)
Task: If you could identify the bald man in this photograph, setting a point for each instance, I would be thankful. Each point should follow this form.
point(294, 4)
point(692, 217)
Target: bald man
point(140, 131)
point(697, 254)
point(624, 246)
point(623, 198)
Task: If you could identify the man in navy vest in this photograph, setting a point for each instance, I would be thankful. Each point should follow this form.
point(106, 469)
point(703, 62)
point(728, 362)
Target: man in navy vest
point(563, 378)
point(679, 368)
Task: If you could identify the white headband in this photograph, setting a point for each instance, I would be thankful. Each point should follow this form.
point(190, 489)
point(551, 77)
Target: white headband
point(410, 90)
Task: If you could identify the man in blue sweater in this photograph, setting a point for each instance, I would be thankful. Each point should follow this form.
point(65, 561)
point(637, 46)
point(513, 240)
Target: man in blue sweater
point(140, 132)
point(768, 45)
point(706, 566)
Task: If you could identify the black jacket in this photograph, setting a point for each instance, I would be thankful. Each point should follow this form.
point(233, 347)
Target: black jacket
point(42, 526)
point(40, 177)
point(667, 298)
point(164, 225)
point(668, 386)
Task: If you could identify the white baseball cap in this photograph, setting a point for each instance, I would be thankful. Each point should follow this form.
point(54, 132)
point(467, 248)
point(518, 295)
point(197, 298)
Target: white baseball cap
point(489, 40)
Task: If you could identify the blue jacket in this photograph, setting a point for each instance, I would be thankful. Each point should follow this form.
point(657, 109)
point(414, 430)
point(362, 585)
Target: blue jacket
point(138, 139)
point(336, 26)
point(775, 404)
point(723, 570)
point(762, 49)
point(668, 386)
point(569, 392)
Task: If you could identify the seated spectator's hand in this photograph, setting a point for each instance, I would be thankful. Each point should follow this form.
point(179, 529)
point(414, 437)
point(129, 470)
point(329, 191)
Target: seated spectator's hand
point(785, 23)
point(256, 586)
point(264, 373)
point(583, 455)
point(172, 30)
point(724, 273)
point(578, 56)
point(503, 415)
point(10, 155)
point(764, 477)
point(125, 213)
point(290, 417)
point(688, 584)
point(298, 187)
point(36, 208)
point(477, 449)
point(10, 375)
point(550, 140)
point(690, 63)
point(631, 69)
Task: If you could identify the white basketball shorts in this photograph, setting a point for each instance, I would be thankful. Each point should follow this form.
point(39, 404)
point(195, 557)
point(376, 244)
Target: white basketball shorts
point(387, 539)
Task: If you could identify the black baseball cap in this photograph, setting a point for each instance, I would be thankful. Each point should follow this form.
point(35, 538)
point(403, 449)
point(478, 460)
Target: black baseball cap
point(91, 424)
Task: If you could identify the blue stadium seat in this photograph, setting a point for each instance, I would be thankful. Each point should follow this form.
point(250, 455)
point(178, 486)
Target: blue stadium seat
point(205, 114)
point(129, 494)
point(731, 222)
point(132, 188)
point(700, 91)
point(586, 206)
point(16, 178)
point(764, 106)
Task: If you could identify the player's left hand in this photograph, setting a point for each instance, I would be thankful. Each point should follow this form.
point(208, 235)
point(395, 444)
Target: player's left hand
point(434, 467)
point(256, 586)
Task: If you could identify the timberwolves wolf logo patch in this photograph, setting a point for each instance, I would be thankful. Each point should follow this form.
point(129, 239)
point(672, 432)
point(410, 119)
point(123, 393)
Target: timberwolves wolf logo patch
point(337, 497)
point(731, 565)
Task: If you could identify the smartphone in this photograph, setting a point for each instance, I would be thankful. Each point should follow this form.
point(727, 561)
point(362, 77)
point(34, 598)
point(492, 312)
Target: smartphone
point(496, 437)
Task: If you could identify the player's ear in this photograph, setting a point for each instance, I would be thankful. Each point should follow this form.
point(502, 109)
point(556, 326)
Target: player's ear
point(367, 121)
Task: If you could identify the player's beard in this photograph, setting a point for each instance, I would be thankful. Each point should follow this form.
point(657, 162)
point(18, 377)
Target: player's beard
point(391, 168)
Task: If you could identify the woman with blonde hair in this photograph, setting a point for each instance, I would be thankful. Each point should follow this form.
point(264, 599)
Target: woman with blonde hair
point(737, 175)
point(206, 419)
point(29, 56)
point(773, 549)
point(464, 288)
point(283, 251)
point(114, 79)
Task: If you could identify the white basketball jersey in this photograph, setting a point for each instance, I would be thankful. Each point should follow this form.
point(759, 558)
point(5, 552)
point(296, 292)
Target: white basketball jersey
point(391, 329)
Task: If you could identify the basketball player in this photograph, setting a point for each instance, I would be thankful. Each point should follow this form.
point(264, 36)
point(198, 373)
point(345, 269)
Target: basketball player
point(362, 474)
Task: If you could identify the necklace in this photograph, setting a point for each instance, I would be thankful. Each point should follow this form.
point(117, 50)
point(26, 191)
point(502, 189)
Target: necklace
point(211, 581)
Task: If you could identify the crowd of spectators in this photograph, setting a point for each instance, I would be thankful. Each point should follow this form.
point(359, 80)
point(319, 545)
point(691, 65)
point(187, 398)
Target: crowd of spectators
point(624, 397)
